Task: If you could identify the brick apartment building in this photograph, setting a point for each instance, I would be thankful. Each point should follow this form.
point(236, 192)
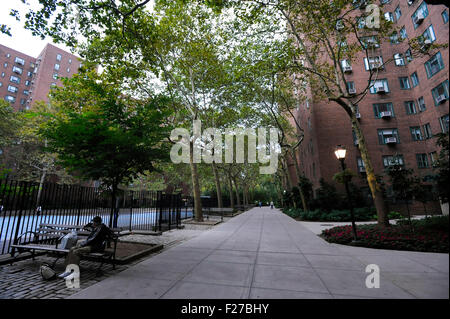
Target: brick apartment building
point(401, 113)
point(25, 79)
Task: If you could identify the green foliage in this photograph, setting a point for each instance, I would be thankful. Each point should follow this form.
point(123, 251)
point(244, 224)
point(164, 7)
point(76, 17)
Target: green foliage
point(327, 197)
point(361, 214)
point(344, 176)
point(395, 215)
point(442, 166)
point(9, 124)
point(113, 138)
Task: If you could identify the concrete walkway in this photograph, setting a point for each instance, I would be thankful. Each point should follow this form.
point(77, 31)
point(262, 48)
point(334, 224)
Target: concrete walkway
point(263, 253)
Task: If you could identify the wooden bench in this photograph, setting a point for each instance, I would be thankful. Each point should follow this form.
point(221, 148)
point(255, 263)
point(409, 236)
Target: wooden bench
point(53, 233)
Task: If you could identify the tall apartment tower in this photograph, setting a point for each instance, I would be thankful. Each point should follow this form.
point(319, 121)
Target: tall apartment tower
point(25, 79)
point(405, 108)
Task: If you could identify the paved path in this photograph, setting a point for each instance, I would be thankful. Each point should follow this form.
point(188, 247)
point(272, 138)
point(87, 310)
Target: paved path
point(263, 253)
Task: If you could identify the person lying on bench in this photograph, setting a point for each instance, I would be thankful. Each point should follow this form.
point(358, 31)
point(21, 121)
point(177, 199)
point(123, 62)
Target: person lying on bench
point(96, 242)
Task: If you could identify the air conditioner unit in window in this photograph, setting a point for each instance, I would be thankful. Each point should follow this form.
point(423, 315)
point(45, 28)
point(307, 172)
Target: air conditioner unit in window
point(340, 25)
point(347, 68)
point(352, 91)
point(441, 98)
point(386, 114)
point(361, 169)
point(376, 65)
point(418, 19)
point(391, 140)
point(380, 89)
point(425, 45)
point(358, 116)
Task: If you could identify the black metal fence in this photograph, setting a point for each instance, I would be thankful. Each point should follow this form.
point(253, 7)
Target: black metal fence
point(26, 205)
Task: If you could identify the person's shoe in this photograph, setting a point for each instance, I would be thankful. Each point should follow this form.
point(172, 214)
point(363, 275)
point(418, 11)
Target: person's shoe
point(64, 274)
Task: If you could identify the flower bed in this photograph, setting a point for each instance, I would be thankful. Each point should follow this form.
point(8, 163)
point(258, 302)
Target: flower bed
point(430, 235)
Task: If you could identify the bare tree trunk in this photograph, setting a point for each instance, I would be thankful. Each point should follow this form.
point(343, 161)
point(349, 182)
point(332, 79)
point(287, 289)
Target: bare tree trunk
point(375, 188)
point(41, 185)
point(195, 186)
point(238, 197)
point(299, 177)
point(230, 186)
point(218, 187)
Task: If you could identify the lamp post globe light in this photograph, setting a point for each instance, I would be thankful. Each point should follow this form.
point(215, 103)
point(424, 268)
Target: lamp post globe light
point(340, 153)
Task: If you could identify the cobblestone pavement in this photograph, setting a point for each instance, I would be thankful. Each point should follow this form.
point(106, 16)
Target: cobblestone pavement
point(23, 281)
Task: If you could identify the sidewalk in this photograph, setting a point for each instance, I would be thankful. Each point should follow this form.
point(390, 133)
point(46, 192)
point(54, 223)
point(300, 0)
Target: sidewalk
point(263, 253)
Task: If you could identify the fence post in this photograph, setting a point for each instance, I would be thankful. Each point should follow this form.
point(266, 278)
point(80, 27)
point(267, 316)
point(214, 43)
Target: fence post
point(19, 218)
point(159, 204)
point(131, 208)
point(80, 199)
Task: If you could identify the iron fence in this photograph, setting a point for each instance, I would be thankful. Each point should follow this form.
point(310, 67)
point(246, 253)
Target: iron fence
point(26, 205)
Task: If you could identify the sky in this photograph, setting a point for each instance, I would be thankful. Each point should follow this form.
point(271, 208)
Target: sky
point(22, 40)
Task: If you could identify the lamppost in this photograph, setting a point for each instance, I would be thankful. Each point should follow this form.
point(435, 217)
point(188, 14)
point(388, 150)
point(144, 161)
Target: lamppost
point(340, 153)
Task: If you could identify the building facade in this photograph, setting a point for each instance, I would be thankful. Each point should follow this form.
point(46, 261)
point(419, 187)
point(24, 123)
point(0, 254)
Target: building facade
point(404, 109)
point(25, 79)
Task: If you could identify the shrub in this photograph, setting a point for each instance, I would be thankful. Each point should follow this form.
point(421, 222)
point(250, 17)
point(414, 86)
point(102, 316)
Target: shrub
point(395, 215)
point(361, 214)
point(430, 234)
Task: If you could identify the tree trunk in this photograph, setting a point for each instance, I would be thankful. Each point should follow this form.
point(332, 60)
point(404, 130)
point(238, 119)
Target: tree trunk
point(289, 179)
point(113, 205)
point(375, 188)
point(230, 186)
point(218, 187)
point(41, 185)
point(238, 197)
point(195, 186)
point(299, 177)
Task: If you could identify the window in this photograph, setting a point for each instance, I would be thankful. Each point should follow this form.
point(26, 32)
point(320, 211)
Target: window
point(410, 107)
point(398, 13)
point(370, 42)
point(56, 66)
point(444, 15)
point(434, 65)
point(379, 86)
point(394, 37)
point(414, 79)
point(55, 76)
point(385, 1)
point(404, 83)
point(361, 166)
point(8, 55)
point(29, 73)
point(17, 70)
point(355, 139)
point(443, 120)
point(408, 55)
point(429, 34)
point(26, 92)
point(416, 133)
point(53, 84)
point(381, 109)
point(19, 61)
point(422, 160)
point(22, 101)
point(14, 79)
point(389, 16)
point(27, 83)
point(68, 70)
point(5, 65)
point(3, 74)
point(351, 87)
point(58, 57)
point(421, 104)
point(403, 33)
point(386, 136)
point(398, 59)
point(433, 157)
point(10, 98)
point(420, 14)
point(427, 131)
point(440, 93)
point(12, 89)
point(1, 84)
point(346, 66)
point(70, 61)
point(375, 62)
point(391, 160)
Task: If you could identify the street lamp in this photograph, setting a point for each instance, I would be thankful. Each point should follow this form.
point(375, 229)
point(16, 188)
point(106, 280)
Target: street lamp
point(340, 153)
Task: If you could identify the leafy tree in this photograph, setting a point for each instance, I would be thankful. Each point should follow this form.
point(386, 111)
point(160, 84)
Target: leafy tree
point(112, 138)
point(402, 184)
point(327, 197)
point(442, 167)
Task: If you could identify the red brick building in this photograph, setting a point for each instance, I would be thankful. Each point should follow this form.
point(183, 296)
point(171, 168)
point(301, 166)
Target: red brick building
point(399, 118)
point(25, 79)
